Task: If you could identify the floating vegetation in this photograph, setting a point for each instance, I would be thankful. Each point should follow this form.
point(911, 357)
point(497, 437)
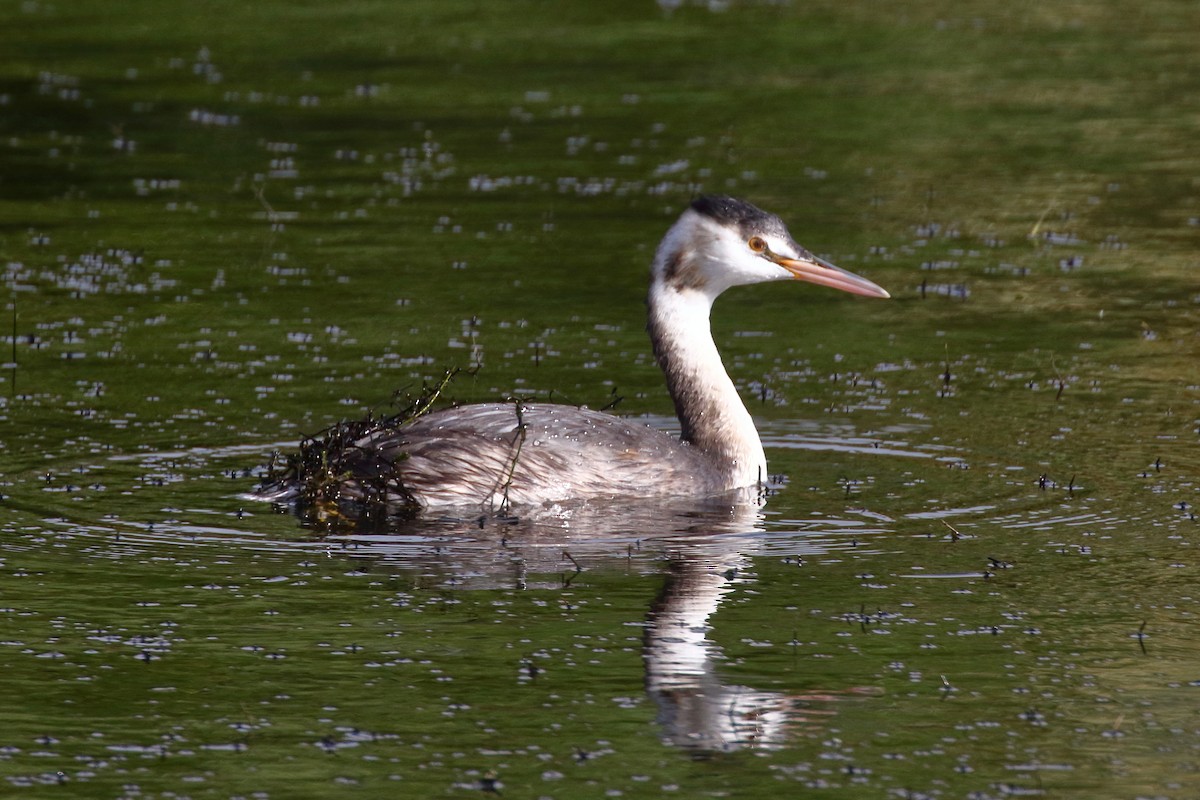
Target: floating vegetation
point(333, 482)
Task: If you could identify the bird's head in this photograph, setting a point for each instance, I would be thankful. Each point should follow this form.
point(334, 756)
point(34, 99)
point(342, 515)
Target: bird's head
point(721, 242)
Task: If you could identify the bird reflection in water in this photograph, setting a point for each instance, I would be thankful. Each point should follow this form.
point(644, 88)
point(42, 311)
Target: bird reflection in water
point(708, 551)
point(696, 708)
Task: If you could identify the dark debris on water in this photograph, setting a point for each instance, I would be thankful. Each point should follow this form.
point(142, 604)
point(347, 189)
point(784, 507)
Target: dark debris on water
point(334, 483)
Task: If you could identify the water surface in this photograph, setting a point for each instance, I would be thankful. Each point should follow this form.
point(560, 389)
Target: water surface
point(226, 228)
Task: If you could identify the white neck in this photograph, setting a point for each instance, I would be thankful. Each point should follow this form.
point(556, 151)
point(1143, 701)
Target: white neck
point(713, 417)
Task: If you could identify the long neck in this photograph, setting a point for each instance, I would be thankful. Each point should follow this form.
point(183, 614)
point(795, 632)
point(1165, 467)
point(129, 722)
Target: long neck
point(712, 414)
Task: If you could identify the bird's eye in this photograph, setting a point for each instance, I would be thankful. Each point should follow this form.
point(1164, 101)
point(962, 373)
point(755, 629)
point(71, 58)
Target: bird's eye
point(757, 244)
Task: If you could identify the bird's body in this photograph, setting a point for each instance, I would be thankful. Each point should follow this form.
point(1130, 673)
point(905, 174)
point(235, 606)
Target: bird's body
point(501, 454)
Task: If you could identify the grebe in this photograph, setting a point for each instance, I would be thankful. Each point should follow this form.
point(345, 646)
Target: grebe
point(497, 455)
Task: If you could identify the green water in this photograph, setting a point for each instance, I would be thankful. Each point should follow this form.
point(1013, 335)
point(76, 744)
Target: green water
point(226, 226)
